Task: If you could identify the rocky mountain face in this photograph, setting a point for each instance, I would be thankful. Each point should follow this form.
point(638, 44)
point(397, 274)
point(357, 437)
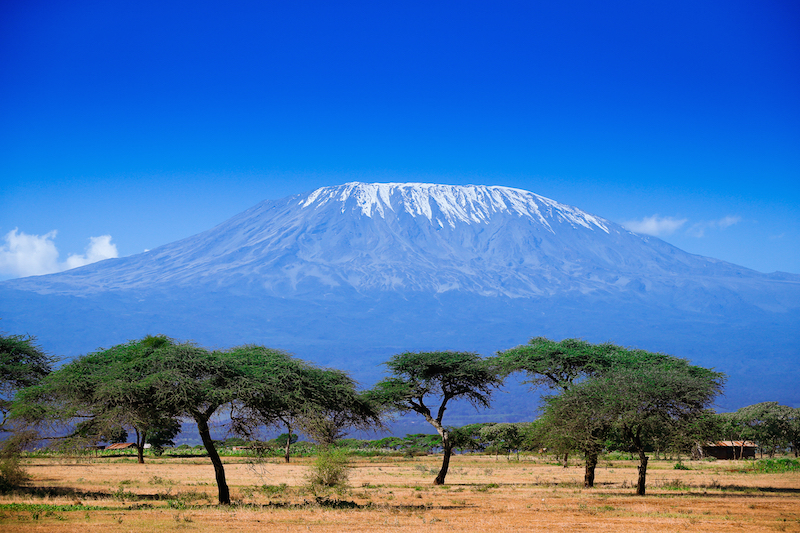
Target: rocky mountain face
point(349, 275)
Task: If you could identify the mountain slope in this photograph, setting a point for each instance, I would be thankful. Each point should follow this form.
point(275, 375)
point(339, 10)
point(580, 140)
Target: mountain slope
point(418, 237)
point(349, 275)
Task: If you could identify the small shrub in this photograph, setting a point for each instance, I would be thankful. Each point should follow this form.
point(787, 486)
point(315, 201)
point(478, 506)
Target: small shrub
point(329, 469)
point(777, 466)
point(680, 466)
point(673, 484)
point(12, 475)
point(274, 489)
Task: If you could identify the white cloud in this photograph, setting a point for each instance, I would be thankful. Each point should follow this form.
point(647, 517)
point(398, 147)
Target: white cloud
point(32, 255)
point(28, 255)
point(724, 222)
point(655, 225)
point(99, 248)
point(699, 229)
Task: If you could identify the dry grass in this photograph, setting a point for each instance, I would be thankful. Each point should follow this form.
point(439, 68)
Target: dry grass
point(397, 494)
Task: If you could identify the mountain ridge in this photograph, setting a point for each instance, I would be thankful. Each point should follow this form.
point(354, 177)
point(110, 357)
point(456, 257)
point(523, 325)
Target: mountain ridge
point(491, 240)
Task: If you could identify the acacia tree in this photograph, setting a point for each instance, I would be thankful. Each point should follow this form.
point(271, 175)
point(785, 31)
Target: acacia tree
point(768, 423)
point(254, 381)
point(22, 364)
point(417, 379)
point(149, 384)
point(195, 383)
point(643, 402)
point(324, 403)
point(504, 436)
point(102, 394)
point(559, 365)
point(274, 398)
point(569, 421)
point(333, 406)
point(794, 430)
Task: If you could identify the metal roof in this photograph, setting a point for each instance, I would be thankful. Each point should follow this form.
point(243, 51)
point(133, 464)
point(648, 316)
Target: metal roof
point(731, 444)
point(122, 446)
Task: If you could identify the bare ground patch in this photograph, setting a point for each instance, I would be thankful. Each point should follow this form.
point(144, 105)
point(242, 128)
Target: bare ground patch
point(393, 494)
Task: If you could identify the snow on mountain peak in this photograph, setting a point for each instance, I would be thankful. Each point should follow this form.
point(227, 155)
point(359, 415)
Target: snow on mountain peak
point(470, 204)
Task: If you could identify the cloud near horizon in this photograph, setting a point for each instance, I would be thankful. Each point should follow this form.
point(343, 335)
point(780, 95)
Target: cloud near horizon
point(699, 230)
point(24, 255)
point(655, 225)
point(658, 226)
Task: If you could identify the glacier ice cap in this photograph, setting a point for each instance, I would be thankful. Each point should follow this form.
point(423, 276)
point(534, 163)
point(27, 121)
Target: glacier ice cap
point(470, 204)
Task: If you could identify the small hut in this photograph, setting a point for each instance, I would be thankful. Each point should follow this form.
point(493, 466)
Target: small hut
point(729, 449)
point(122, 446)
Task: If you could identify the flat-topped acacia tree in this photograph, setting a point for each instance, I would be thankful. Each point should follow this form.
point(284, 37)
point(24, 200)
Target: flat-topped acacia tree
point(560, 366)
point(420, 380)
point(196, 383)
point(288, 392)
point(148, 383)
point(655, 400)
point(333, 406)
point(100, 395)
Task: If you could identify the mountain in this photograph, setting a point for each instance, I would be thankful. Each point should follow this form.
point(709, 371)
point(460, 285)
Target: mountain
point(349, 275)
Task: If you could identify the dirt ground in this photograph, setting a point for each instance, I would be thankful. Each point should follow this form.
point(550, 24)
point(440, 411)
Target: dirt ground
point(396, 494)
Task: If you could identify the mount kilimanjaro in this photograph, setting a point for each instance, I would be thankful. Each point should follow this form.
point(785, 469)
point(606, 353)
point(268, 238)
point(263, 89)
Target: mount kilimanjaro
point(347, 276)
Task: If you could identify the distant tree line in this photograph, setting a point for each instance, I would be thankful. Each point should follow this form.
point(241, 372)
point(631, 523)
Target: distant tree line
point(601, 397)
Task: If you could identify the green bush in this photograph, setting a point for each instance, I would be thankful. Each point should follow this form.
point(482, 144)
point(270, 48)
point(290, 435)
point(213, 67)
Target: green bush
point(777, 466)
point(12, 474)
point(329, 469)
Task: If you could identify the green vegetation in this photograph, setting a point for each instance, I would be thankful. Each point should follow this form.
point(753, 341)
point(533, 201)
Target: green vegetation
point(606, 400)
point(418, 378)
point(606, 391)
point(22, 364)
point(776, 466)
point(329, 470)
point(770, 424)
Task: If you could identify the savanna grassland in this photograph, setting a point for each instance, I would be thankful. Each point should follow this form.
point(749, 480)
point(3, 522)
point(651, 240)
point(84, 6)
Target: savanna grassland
point(483, 493)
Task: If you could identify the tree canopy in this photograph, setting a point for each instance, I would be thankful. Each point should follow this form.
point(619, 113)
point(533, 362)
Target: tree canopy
point(644, 402)
point(772, 425)
point(102, 393)
point(561, 364)
point(288, 392)
point(22, 364)
point(576, 420)
point(419, 378)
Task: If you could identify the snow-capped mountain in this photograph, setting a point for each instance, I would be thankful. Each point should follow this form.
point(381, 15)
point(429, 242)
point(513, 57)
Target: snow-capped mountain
point(349, 275)
point(404, 237)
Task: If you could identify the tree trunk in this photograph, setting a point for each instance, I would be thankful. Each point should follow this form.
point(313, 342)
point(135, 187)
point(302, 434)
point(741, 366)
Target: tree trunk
point(640, 486)
point(140, 446)
point(219, 470)
point(288, 443)
point(448, 450)
point(566, 459)
point(588, 476)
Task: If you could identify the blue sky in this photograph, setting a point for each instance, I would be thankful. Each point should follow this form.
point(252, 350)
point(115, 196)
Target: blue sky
point(151, 121)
